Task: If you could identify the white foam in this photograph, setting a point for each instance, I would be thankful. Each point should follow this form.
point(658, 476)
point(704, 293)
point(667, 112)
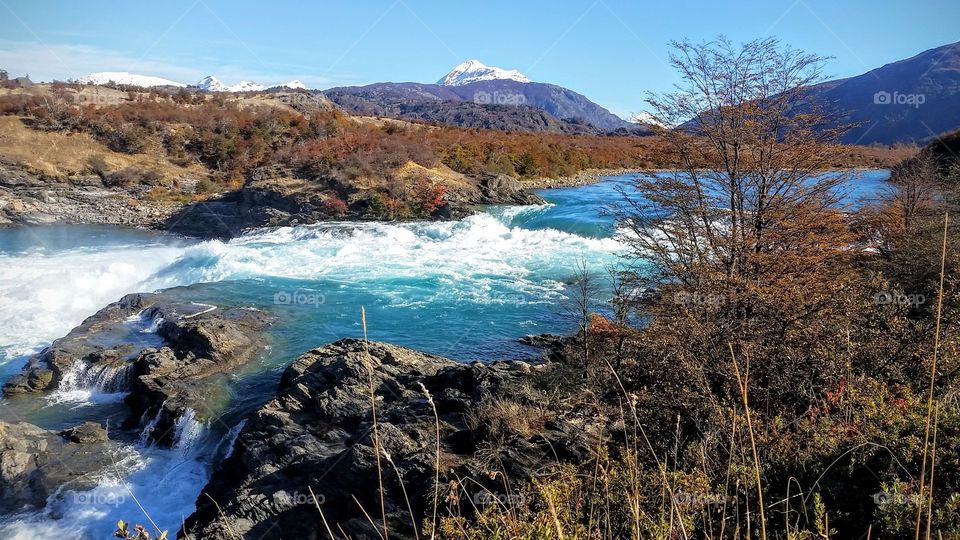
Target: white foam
point(165, 481)
point(187, 431)
point(44, 295)
point(478, 259)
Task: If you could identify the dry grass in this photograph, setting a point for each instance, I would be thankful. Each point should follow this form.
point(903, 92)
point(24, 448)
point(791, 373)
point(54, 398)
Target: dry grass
point(65, 155)
point(506, 417)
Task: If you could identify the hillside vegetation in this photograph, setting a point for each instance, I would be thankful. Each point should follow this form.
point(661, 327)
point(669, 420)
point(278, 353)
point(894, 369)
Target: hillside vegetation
point(229, 135)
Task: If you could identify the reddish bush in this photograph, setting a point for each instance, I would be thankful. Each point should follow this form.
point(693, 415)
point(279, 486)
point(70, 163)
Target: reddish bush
point(334, 206)
point(428, 197)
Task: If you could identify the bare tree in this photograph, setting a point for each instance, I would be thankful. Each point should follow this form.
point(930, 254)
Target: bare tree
point(750, 210)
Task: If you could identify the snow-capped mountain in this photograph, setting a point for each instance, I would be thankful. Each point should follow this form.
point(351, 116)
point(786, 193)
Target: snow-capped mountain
point(293, 85)
point(123, 77)
point(213, 84)
point(645, 118)
point(474, 70)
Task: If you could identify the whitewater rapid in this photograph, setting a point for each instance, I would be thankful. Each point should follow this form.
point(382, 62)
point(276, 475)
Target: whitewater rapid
point(482, 262)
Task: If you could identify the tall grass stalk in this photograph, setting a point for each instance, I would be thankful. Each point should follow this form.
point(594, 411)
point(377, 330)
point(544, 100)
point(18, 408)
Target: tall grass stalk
point(933, 375)
point(933, 465)
point(742, 381)
point(436, 467)
point(322, 517)
point(661, 466)
point(373, 413)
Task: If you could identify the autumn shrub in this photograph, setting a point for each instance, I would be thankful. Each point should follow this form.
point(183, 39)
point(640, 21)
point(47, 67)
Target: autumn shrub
point(98, 165)
point(334, 206)
point(428, 197)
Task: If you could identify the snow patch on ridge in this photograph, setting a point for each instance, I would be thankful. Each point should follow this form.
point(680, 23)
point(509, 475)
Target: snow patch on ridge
point(474, 70)
point(126, 78)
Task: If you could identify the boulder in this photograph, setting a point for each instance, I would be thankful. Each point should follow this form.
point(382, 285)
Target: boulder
point(45, 371)
point(503, 189)
point(316, 438)
point(174, 379)
point(36, 463)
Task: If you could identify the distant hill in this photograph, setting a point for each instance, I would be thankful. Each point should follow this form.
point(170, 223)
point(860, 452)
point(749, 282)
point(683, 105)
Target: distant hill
point(478, 85)
point(908, 101)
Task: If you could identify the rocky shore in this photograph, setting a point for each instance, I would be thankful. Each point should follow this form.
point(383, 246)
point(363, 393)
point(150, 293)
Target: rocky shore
point(36, 463)
point(271, 196)
point(449, 434)
point(582, 178)
point(29, 199)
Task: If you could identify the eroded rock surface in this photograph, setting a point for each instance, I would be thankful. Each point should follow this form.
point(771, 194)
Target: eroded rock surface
point(35, 463)
point(317, 435)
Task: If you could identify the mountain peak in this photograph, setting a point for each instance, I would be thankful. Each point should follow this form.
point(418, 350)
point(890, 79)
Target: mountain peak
point(213, 84)
point(475, 70)
point(295, 84)
point(126, 78)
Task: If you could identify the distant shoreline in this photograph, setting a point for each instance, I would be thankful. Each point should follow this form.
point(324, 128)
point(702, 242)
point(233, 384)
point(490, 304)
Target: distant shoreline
point(582, 178)
point(593, 176)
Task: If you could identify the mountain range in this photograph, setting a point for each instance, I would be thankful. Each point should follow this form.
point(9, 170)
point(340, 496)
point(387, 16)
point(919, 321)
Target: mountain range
point(908, 101)
point(208, 83)
point(456, 96)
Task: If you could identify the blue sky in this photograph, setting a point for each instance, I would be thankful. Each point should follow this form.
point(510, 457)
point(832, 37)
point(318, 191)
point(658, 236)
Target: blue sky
point(610, 50)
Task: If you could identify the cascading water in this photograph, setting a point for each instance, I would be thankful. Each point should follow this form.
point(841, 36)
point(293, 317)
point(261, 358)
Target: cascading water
point(104, 378)
point(187, 431)
point(147, 431)
point(229, 439)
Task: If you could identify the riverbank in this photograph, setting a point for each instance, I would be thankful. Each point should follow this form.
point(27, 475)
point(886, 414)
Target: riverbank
point(270, 197)
point(582, 178)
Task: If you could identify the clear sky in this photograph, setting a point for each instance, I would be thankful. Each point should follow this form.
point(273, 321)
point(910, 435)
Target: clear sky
point(613, 51)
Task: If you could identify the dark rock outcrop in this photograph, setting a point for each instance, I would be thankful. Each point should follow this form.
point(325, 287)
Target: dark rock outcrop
point(317, 435)
point(169, 381)
point(167, 370)
point(503, 189)
point(280, 196)
point(35, 463)
point(46, 370)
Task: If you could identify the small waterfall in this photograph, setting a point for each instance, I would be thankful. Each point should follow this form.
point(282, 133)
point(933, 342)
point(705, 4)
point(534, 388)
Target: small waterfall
point(104, 378)
point(230, 438)
point(153, 326)
point(187, 430)
point(144, 439)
